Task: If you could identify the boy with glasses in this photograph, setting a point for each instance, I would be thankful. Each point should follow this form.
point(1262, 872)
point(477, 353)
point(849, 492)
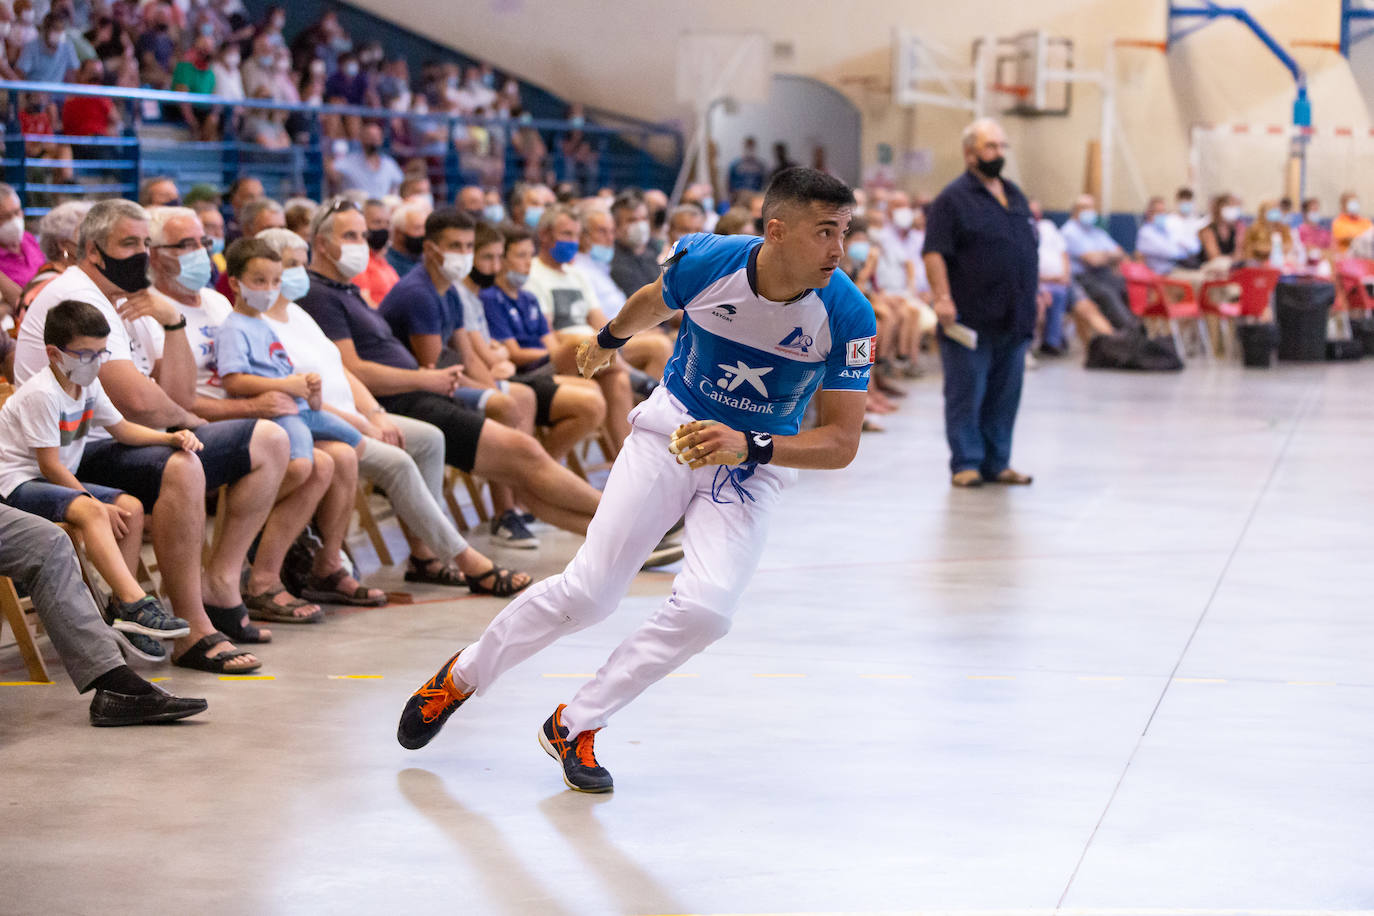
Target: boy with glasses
point(43, 429)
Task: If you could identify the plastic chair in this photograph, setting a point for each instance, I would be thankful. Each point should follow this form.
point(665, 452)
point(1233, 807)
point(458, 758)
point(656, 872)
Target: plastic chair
point(1256, 286)
point(1352, 273)
point(1153, 296)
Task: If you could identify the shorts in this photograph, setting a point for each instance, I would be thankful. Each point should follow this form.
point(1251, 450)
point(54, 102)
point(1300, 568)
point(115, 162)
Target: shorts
point(545, 387)
point(461, 426)
point(305, 427)
point(474, 398)
point(137, 470)
point(50, 500)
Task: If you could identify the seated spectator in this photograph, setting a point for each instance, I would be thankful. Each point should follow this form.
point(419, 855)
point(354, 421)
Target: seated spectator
point(350, 84)
point(372, 353)
point(472, 200)
point(748, 172)
point(90, 115)
point(20, 255)
point(595, 252)
point(1095, 258)
point(579, 154)
point(213, 222)
point(193, 74)
point(902, 284)
point(250, 362)
point(110, 39)
point(416, 189)
point(57, 239)
point(260, 70)
point(159, 191)
point(39, 557)
point(1160, 248)
point(1184, 224)
point(736, 221)
point(50, 57)
point(1222, 233)
point(526, 204)
point(407, 237)
point(1055, 281)
point(1314, 236)
point(1348, 224)
point(379, 277)
point(43, 430)
point(147, 378)
point(529, 147)
point(299, 210)
point(403, 456)
point(701, 196)
point(179, 265)
point(368, 169)
point(156, 47)
point(685, 219)
point(265, 126)
point(1268, 240)
point(493, 211)
point(255, 215)
point(635, 264)
point(244, 190)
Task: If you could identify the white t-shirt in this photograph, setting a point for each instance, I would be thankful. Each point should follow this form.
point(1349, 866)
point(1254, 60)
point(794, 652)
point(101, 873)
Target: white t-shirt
point(311, 351)
point(608, 295)
point(201, 323)
point(564, 297)
point(41, 415)
point(896, 251)
point(139, 341)
point(1052, 249)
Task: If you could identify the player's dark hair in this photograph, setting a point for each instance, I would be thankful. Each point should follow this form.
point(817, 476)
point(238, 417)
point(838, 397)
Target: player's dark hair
point(238, 254)
point(515, 234)
point(802, 186)
point(70, 319)
point(447, 218)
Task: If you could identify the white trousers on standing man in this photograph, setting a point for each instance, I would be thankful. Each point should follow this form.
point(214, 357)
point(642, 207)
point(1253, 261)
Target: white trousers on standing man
point(727, 516)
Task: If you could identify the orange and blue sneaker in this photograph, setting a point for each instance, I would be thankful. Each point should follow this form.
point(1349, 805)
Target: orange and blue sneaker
point(580, 770)
point(429, 708)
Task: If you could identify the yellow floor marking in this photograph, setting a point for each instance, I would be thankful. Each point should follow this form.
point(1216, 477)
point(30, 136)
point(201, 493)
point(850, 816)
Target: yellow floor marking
point(1088, 677)
point(570, 675)
point(1311, 683)
point(886, 677)
point(158, 680)
point(991, 677)
point(1200, 680)
point(26, 683)
point(780, 675)
point(247, 677)
point(677, 674)
point(356, 677)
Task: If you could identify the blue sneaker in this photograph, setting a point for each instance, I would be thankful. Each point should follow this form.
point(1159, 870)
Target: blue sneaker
point(576, 754)
point(510, 531)
point(147, 617)
point(136, 645)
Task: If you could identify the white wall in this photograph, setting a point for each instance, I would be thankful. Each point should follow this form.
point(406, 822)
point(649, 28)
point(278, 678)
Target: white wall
point(622, 56)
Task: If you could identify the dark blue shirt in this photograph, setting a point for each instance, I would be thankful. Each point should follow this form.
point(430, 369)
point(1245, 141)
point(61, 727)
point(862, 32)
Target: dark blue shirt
point(519, 318)
point(339, 310)
point(990, 254)
point(400, 261)
point(414, 307)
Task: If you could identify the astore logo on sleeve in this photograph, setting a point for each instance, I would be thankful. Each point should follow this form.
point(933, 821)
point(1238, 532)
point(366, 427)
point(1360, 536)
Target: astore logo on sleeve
point(862, 352)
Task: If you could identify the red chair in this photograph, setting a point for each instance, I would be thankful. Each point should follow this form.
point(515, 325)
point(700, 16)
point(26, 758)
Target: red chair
point(1153, 296)
point(1352, 273)
point(1256, 287)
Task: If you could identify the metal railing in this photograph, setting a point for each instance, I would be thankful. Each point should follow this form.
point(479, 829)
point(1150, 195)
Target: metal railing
point(641, 155)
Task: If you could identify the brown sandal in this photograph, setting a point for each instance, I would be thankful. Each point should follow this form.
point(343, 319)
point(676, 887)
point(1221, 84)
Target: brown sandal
point(1013, 478)
point(326, 590)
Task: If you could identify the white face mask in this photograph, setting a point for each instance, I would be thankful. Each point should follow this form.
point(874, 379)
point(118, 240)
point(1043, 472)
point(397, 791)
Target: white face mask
point(12, 231)
point(352, 259)
point(260, 300)
point(1230, 213)
point(457, 266)
point(637, 233)
point(426, 200)
point(1352, 207)
point(80, 373)
point(903, 217)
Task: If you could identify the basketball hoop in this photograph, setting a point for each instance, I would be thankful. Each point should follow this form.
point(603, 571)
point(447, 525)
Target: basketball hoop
point(1021, 92)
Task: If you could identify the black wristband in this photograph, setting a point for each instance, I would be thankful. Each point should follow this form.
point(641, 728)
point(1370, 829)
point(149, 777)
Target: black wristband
point(175, 327)
point(760, 447)
point(608, 341)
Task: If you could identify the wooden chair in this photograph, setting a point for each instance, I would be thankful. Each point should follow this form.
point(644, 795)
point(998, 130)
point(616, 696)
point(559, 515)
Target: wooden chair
point(452, 477)
point(12, 612)
point(368, 522)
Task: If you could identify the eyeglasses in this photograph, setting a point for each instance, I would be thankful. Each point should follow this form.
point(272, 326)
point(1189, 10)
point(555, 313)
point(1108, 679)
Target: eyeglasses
point(340, 204)
point(189, 244)
point(86, 357)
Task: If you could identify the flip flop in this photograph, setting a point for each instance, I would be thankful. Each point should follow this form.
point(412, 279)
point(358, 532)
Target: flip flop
point(196, 658)
point(326, 590)
point(263, 606)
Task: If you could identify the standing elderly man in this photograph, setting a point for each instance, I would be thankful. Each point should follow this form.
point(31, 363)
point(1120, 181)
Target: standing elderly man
point(982, 264)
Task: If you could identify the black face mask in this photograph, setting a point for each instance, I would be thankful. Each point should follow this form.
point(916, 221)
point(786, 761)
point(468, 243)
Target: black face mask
point(376, 238)
point(415, 245)
point(990, 168)
point(482, 280)
point(129, 274)
point(370, 148)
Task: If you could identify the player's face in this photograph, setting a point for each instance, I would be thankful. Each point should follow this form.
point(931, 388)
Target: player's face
point(812, 241)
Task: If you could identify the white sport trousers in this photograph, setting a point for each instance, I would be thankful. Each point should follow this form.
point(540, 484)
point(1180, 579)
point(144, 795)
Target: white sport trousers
point(648, 491)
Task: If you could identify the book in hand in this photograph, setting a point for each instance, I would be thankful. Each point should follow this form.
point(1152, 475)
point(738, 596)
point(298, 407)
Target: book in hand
point(962, 334)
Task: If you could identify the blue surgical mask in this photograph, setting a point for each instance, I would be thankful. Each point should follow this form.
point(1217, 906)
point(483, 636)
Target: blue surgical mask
point(194, 269)
point(858, 251)
point(216, 246)
point(708, 204)
point(602, 254)
point(295, 283)
point(1088, 217)
point(1185, 208)
point(489, 80)
point(564, 251)
point(516, 279)
point(1160, 220)
point(494, 213)
point(533, 215)
point(1274, 215)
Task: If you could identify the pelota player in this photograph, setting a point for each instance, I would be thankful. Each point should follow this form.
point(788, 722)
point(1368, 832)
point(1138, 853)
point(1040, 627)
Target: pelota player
point(767, 322)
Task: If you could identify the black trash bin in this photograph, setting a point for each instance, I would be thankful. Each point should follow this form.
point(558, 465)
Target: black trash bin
point(1302, 308)
point(1257, 343)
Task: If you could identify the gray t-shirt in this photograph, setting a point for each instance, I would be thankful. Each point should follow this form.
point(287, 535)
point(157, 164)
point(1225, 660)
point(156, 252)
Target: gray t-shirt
point(474, 313)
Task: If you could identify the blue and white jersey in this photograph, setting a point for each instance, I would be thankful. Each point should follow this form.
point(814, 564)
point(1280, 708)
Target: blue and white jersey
point(751, 363)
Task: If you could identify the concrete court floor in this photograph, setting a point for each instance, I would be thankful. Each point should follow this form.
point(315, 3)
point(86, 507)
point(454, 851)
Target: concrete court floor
point(1142, 685)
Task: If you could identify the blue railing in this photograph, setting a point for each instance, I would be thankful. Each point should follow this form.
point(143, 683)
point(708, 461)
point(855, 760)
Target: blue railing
point(117, 165)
